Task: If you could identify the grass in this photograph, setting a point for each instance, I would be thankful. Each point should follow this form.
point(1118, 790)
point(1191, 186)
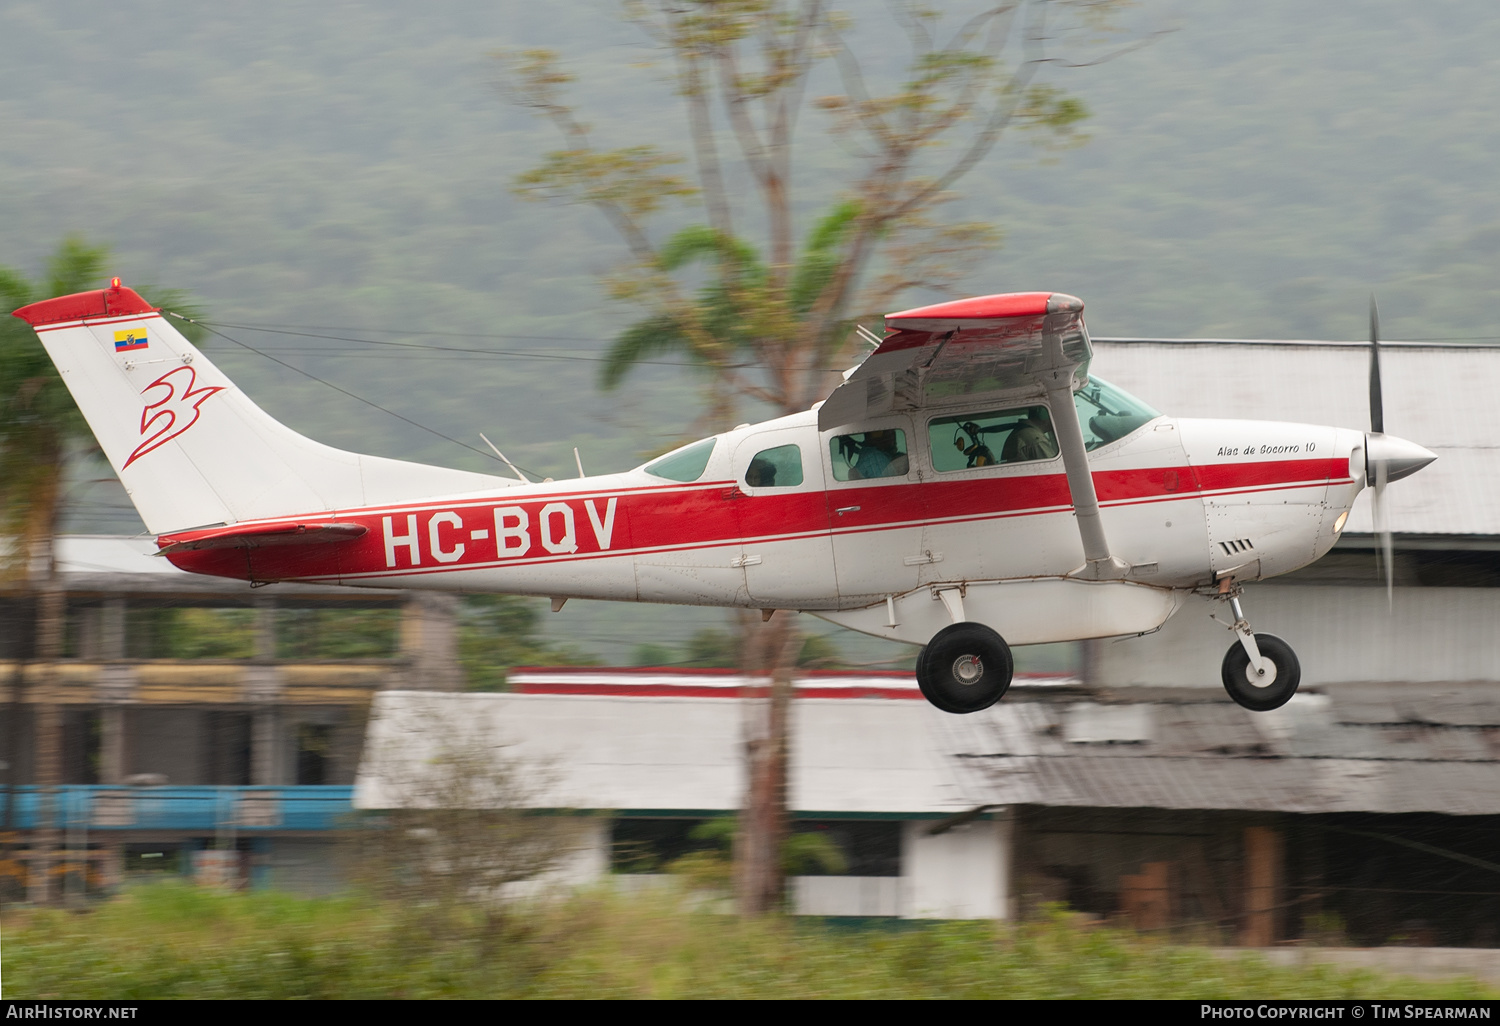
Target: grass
point(170, 940)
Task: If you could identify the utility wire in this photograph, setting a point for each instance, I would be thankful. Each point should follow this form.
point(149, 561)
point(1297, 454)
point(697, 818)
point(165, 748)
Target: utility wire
point(336, 388)
point(522, 354)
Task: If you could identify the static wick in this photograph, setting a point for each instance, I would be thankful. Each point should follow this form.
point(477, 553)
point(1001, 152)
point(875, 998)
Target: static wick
point(507, 462)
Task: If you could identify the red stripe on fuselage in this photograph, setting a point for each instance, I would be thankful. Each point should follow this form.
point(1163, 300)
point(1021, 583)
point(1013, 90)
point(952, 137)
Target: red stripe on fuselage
point(531, 529)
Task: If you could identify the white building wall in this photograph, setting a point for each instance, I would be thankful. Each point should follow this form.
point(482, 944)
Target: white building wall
point(845, 895)
point(962, 873)
point(586, 862)
point(1338, 633)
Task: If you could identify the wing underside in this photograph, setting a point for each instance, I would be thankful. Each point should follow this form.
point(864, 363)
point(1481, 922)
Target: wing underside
point(992, 348)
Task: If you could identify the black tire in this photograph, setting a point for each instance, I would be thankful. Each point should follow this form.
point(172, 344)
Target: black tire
point(966, 667)
point(922, 674)
point(1285, 673)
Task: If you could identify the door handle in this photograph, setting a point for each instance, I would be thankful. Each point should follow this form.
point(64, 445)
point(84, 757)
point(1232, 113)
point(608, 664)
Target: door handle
point(847, 509)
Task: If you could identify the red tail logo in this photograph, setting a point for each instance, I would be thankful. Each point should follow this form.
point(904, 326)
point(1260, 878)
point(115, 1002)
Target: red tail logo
point(173, 412)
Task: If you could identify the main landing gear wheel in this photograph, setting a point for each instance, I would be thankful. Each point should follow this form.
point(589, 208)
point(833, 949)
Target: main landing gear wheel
point(1269, 690)
point(966, 667)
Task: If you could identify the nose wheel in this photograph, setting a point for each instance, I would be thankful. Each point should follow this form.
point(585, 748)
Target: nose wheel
point(1260, 671)
point(966, 667)
point(1270, 688)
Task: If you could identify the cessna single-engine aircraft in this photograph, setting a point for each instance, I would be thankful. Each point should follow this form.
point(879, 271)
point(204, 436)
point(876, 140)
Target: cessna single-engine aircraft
point(968, 487)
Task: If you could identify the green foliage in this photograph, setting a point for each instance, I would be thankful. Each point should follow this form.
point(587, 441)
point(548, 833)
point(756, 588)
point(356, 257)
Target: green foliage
point(337, 633)
point(821, 254)
point(197, 633)
point(631, 177)
point(804, 853)
point(653, 654)
point(711, 647)
point(819, 652)
point(171, 940)
point(38, 418)
point(497, 632)
point(715, 648)
point(41, 428)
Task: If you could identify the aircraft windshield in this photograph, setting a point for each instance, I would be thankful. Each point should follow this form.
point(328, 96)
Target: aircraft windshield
point(1108, 413)
point(685, 464)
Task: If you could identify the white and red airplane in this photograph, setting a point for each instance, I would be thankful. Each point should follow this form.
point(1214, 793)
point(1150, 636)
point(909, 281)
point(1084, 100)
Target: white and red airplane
point(969, 486)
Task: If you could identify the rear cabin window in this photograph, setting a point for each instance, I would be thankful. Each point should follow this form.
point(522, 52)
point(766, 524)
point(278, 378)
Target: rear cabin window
point(868, 455)
point(780, 467)
point(970, 440)
point(685, 464)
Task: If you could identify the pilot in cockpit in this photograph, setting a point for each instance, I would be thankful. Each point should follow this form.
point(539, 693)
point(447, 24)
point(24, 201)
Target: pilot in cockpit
point(1032, 438)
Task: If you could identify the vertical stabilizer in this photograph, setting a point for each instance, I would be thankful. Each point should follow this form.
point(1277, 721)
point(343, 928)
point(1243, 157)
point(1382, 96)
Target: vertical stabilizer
point(190, 447)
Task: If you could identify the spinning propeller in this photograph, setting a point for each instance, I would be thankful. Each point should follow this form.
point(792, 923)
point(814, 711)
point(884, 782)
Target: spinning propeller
point(1387, 458)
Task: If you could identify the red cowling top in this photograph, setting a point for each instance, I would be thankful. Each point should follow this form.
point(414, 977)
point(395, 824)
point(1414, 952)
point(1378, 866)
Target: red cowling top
point(1010, 304)
point(115, 301)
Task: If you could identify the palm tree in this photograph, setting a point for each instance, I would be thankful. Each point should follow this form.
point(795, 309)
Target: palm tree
point(747, 328)
point(38, 418)
point(41, 429)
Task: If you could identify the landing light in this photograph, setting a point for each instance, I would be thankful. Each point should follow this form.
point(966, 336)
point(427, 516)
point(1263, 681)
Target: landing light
point(1338, 525)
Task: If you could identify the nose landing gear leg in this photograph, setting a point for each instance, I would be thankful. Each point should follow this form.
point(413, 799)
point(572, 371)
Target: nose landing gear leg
point(1260, 671)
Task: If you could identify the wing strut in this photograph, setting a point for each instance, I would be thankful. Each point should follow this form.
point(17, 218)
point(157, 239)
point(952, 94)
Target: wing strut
point(1098, 564)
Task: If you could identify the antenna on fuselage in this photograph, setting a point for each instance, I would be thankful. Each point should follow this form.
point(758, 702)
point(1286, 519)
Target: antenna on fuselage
point(578, 460)
point(507, 462)
point(868, 335)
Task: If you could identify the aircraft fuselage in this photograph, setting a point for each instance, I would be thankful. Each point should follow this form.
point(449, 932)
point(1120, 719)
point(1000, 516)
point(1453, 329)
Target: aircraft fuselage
point(1181, 500)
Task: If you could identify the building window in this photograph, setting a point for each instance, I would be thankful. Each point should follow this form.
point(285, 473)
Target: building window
point(314, 753)
point(869, 848)
point(652, 845)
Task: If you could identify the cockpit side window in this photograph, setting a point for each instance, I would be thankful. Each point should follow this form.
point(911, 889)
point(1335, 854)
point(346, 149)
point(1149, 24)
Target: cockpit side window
point(780, 467)
point(971, 440)
point(685, 464)
point(868, 455)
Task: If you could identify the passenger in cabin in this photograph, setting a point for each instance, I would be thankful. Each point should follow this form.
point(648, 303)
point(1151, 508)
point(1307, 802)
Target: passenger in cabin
point(880, 455)
point(762, 474)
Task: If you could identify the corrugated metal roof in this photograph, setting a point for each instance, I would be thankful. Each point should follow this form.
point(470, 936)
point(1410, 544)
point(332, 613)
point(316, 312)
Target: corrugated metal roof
point(1441, 397)
point(1351, 748)
point(1270, 785)
point(1453, 704)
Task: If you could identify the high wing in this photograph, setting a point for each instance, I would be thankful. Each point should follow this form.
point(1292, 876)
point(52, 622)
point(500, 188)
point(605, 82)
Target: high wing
point(994, 347)
point(999, 348)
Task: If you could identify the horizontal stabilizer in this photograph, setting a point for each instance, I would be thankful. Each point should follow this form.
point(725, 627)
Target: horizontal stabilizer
point(262, 537)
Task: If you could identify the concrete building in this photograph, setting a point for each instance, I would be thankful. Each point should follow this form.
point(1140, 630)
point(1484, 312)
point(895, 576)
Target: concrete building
point(190, 713)
point(1357, 804)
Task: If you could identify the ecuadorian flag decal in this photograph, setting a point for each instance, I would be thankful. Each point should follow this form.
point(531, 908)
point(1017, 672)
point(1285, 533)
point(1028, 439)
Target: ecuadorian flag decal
point(130, 339)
